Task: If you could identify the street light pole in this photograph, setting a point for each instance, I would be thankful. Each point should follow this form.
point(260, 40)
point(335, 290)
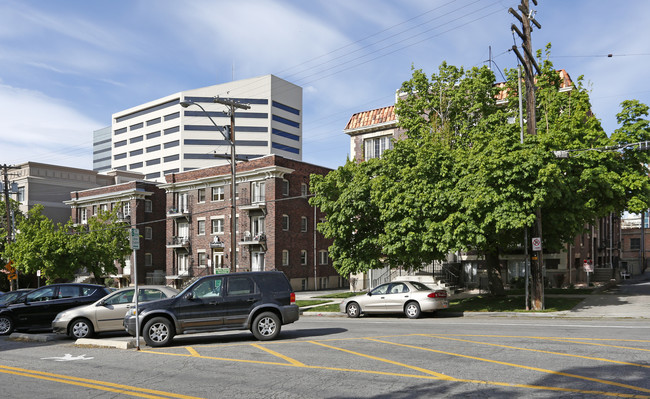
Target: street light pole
point(233, 173)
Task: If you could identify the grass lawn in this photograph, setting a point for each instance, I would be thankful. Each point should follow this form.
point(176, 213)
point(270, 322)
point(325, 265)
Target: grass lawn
point(334, 307)
point(342, 295)
point(508, 304)
point(310, 302)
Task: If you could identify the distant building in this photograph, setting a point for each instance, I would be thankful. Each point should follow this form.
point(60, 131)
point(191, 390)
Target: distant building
point(275, 223)
point(102, 149)
point(50, 186)
point(160, 137)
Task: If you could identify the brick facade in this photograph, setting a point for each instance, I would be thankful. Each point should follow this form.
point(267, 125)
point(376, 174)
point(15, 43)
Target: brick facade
point(261, 237)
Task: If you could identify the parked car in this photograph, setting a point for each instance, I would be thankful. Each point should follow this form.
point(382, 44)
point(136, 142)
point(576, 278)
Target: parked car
point(39, 307)
point(410, 297)
point(106, 314)
point(257, 301)
point(13, 296)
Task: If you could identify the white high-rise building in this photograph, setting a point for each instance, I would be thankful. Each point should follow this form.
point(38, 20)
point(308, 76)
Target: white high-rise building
point(161, 137)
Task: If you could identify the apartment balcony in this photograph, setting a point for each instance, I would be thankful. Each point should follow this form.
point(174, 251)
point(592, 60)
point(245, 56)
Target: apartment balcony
point(179, 243)
point(258, 239)
point(216, 243)
point(252, 203)
point(175, 213)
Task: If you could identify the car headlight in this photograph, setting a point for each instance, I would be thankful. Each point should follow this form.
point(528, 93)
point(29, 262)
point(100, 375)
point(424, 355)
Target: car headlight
point(131, 312)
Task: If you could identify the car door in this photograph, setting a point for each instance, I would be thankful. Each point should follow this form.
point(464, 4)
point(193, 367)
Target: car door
point(202, 307)
point(241, 295)
point(37, 303)
point(109, 313)
point(396, 297)
point(375, 302)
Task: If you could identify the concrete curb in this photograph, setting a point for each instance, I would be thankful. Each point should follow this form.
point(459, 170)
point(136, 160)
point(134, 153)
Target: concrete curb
point(128, 343)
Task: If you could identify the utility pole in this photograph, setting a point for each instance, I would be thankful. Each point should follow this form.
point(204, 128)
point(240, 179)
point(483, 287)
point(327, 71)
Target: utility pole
point(232, 105)
point(528, 61)
point(8, 215)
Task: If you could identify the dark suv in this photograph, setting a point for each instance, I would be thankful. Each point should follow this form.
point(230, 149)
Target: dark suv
point(37, 309)
point(258, 301)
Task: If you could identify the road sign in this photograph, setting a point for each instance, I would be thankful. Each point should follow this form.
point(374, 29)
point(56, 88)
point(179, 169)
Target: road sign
point(135, 239)
point(537, 244)
point(11, 271)
point(221, 270)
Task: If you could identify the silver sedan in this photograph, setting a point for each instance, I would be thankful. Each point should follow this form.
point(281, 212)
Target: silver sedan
point(107, 314)
point(410, 297)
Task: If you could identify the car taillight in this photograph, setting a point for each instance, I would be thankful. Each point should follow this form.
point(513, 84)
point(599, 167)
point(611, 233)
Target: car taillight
point(438, 294)
point(292, 298)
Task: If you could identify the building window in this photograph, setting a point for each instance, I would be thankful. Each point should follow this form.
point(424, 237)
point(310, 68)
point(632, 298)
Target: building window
point(103, 207)
point(285, 187)
point(83, 216)
point(323, 257)
point(375, 147)
point(304, 190)
point(217, 194)
point(94, 210)
point(148, 233)
point(217, 226)
point(201, 195)
point(21, 194)
point(148, 206)
point(285, 222)
point(202, 259)
point(635, 244)
point(303, 224)
point(285, 257)
point(258, 193)
point(126, 209)
point(552, 264)
point(148, 259)
point(200, 227)
point(303, 257)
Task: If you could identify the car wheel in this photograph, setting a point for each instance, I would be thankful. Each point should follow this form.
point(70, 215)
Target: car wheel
point(6, 325)
point(81, 328)
point(353, 309)
point(266, 326)
point(412, 310)
point(158, 332)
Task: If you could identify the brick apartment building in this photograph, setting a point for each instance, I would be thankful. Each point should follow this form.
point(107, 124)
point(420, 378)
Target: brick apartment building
point(275, 223)
point(142, 205)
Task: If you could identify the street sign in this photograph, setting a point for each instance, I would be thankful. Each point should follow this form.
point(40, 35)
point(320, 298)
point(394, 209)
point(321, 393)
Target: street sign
point(135, 239)
point(11, 271)
point(537, 244)
point(221, 270)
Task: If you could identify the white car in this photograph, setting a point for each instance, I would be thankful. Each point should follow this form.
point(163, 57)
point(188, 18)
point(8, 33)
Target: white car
point(408, 297)
point(106, 314)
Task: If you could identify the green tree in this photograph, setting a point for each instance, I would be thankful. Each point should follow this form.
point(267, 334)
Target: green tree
point(463, 180)
point(60, 251)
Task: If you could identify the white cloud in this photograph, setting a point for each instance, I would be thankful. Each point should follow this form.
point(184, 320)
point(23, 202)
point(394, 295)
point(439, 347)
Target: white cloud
point(35, 127)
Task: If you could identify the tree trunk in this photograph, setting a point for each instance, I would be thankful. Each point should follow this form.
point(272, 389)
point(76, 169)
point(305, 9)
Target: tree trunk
point(495, 283)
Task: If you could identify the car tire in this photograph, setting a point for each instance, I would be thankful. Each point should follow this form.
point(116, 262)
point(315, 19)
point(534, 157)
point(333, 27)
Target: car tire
point(81, 328)
point(412, 310)
point(353, 310)
point(266, 326)
point(6, 325)
point(158, 332)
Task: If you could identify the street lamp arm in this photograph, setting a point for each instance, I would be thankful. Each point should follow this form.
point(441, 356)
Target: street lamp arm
point(186, 104)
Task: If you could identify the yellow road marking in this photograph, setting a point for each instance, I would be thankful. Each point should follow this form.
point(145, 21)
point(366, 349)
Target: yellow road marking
point(281, 356)
point(538, 350)
point(94, 384)
point(423, 377)
point(618, 384)
point(192, 351)
point(439, 375)
point(595, 344)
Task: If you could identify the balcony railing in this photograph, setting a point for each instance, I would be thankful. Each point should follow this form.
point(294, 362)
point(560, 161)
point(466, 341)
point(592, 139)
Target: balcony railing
point(178, 242)
point(179, 212)
point(256, 202)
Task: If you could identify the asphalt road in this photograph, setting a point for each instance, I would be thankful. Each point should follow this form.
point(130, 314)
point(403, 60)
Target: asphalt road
point(370, 357)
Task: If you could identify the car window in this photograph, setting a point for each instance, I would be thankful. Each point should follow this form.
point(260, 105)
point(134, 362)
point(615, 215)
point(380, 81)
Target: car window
point(88, 291)
point(398, 288)
point(120, 297)
point(208, 288)
point(45, 294)
point(240, 286)
point(419, 286)
point(68, 291)
point(381, 290)
point(150, 294)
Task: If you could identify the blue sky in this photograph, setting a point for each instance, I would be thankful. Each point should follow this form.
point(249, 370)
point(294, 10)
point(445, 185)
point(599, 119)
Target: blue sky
point(66, 66)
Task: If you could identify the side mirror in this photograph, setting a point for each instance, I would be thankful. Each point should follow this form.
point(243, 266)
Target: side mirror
point(189, 296)
point(369, 293)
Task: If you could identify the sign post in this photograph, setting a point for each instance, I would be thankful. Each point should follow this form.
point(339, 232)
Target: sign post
point(135, 245)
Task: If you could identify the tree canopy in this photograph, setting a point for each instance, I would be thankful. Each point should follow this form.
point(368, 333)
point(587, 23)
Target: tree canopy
point(59, 251)
point(462, 179)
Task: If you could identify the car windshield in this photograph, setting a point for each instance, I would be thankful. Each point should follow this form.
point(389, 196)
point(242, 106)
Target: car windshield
point(382, 289)
point(12, 296)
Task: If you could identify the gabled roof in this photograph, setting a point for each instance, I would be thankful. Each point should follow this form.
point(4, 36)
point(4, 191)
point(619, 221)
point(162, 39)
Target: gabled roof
point(366, 119)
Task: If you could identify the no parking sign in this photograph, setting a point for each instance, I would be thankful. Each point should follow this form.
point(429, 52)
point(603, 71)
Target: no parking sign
point(537, 244)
